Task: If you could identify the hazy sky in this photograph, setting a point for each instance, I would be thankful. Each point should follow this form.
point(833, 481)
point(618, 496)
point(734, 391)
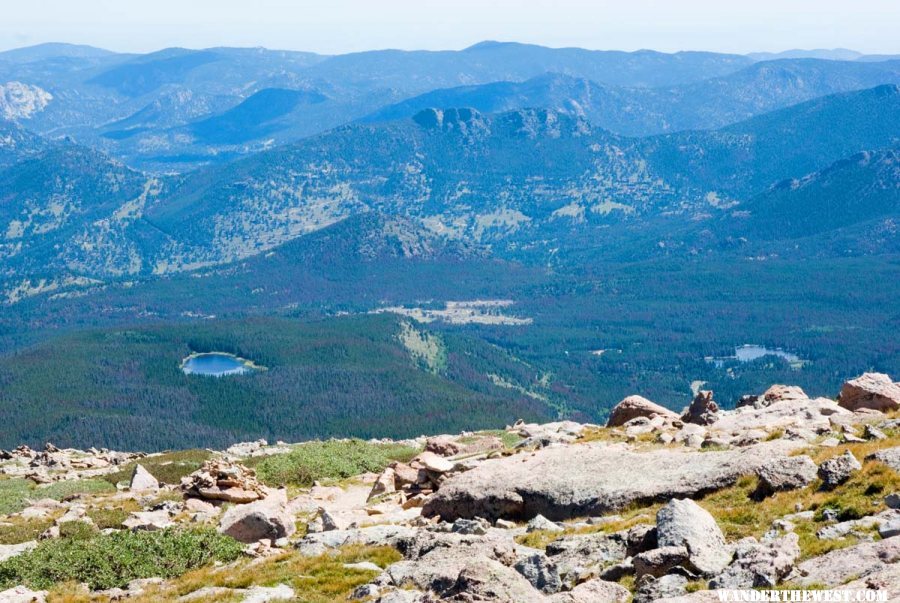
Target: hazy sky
point(336, 26)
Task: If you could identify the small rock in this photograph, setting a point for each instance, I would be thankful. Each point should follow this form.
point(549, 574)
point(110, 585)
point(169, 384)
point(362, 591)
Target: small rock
point(593, 591)
point(364, 566)
point(149, 521)
point(142, 481)
point(23, 594)
point(385, 484)
point(659, 562)
point(8, 551)
point(889, 528)
point(541, 572)
point(838, 470)
point(443, 445)
point(785, 473)
point(887, 456)
point(541, 523)
point(650, 589)
point(504, 524)
point(758, 565)
point(892, 501)
point(435, 463)
point(873, 433)
point(703, 410)
point(264, 594)
point(781, 393)
point(477, 526)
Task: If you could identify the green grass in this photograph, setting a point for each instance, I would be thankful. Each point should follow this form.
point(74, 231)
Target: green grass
point(16, 530)
point(16, 492)
point(65, 489)
point(14, 495)
point(321, 579)
point(331, 459)
point(110, 561)
point(167, 468)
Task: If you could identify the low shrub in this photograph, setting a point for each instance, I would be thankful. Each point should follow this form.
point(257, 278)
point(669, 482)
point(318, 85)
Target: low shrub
point(332, 459)
point(106, 561)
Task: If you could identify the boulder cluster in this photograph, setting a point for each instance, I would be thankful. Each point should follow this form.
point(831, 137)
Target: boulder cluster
point(569, 513)
point(221, 480)
point(55, 464)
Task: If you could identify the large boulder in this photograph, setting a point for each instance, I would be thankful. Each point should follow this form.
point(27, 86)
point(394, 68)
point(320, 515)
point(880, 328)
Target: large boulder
point(266, 518)
point(874, 391)
point(637, 406)
point(703, 410)
point(785, 473)
point(591, 479)
point(837, 470)
point(684, 523)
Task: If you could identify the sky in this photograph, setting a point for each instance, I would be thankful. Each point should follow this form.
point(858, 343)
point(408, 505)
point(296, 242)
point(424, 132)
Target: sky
point(340, 26)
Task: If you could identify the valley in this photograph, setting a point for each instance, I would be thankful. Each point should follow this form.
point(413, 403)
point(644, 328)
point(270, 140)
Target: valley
point(446, 245)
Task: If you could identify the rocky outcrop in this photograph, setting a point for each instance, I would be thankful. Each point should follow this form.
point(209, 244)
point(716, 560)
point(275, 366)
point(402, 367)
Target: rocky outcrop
point(839, 566)
point(874, 391)
point(703, 410)
point(606, 477)
point(637, 406)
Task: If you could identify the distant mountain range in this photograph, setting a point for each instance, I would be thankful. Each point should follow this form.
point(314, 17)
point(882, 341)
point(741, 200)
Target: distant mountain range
point(523, 183)
point(498, 232)
point(177, 109)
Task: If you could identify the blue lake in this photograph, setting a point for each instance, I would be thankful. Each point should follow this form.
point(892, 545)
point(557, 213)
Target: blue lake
point(749, 353)
point(215, 364)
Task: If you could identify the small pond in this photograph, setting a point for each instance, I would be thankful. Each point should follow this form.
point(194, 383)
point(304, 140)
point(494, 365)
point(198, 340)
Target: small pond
point(216, 364)
point(749, 353)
